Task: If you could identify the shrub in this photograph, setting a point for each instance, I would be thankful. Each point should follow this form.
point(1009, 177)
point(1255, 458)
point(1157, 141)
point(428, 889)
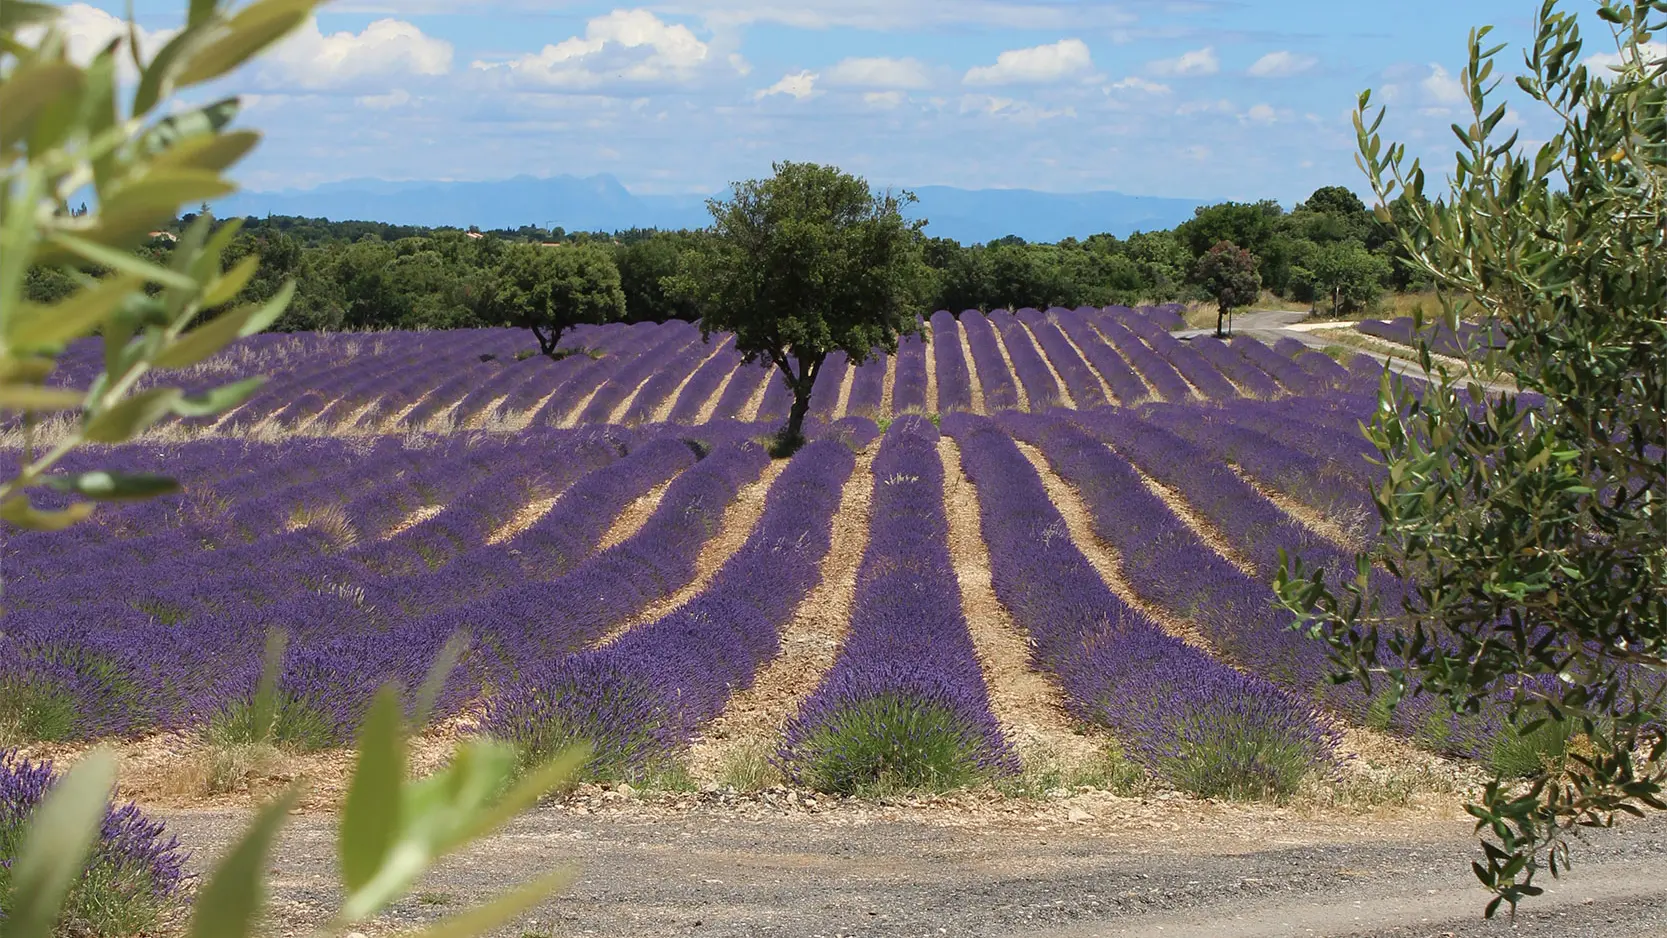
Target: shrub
point(130, 884)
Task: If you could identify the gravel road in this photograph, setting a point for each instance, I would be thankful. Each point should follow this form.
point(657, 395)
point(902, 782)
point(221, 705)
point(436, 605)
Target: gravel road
point(712, 869)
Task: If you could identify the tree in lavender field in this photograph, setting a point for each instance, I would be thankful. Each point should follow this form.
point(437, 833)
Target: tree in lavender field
point(1530, 522)
point(549, 290)
point(1228, 273)
point(805, 263)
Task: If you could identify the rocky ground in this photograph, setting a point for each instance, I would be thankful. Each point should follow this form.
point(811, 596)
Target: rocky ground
point(1069, 865)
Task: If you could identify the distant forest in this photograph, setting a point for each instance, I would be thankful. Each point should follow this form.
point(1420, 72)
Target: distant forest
point(1329, 251)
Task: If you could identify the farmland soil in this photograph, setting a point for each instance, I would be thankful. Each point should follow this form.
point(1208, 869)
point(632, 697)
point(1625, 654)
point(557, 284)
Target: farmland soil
point(1029, 706)
point(715, 864)
point(753, 718)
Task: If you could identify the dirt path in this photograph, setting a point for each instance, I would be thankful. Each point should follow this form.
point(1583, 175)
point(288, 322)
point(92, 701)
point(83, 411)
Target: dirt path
point(1029, 707)
point(1007, 361)
point(752, 721)
point(887, 385)
point(1105, 387)
point(931, 378)
point(635, 515)
point(842, 405)
point(711, 405)
point(714, 867)
point(740, 517)
point(1065, 398)
point(664, 409)
point(973, 383)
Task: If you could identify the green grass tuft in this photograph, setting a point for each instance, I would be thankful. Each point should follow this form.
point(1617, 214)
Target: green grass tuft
point(888, 745)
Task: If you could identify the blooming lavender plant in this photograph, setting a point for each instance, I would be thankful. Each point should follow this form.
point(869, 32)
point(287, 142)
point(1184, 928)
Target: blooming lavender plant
point(905, 702)
point(954, 381)
point(1185, 717)
point(133, 877)
point(638, 699)
point(1000, 393)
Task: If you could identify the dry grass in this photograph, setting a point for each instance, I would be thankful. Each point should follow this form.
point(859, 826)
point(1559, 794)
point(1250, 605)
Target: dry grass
point(748, 767)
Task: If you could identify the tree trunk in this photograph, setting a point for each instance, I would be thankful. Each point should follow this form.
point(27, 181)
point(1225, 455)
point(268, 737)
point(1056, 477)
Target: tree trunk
point(1221, 317)
point(793, 433)
point(547, 341)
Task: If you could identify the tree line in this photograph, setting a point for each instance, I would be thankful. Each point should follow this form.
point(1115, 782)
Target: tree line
point(1328, 251)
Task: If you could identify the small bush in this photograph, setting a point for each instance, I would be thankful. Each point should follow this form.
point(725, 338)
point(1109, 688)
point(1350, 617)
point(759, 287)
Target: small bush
point(1523, 755)
point(749, 768)
point(290, 723)
point(35, 713)
point(889, 743)
point(131, 883)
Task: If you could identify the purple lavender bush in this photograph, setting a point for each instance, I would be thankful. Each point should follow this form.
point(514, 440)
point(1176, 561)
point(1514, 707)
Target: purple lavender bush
point(904, 704)
point(131, 883)
point(638, 699)
point(1186, 718)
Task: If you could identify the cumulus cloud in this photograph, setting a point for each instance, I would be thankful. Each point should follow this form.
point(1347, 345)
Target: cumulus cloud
point(1442, 87)
point(1011, 108)
point(632, 46)
point(396, 98)
point(884, 100)
point(1192, 64)
point(1603, 62)
point(796, 85)
point(386, 48)
point(878, 73)
point(89, 29)
point(1067, 58)
point(1262, 114)
point(1282, 64)
point(1136, 83)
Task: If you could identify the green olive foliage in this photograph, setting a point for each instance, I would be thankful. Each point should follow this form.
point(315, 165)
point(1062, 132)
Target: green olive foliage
point(62, 128)
point(1531, 523)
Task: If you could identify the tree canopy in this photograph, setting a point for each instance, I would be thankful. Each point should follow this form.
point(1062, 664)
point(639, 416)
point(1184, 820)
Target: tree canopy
point(550, 290)
point(1228, 274)
point(805, 263)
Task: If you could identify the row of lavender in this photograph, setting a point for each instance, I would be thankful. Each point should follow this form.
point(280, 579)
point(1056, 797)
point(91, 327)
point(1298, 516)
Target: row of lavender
point(116, 647)
point(153, 615)
point(634, 374)
point(1468, 339)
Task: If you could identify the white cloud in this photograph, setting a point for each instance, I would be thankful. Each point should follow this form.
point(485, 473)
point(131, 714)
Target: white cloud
point(387, 47)
point(633, 46)
point(89, 29)
point(884, 100)
point(1262, 114)
point(1188, 64)
point(878, 73)
point(1442, 87)
point(1011, 108)
point(797, 85)
point(1218, 106)
point(1136, 83)
point(398, 97)
point(885, 15)
point(741, 65)
point(1066, 58)
point(1282, 64)
point(1603, 62)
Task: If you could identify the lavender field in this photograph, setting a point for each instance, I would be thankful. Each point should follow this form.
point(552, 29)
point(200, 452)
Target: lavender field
point(630, 567)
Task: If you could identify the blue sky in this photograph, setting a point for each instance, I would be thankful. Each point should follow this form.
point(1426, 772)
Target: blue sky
point(1208, 99)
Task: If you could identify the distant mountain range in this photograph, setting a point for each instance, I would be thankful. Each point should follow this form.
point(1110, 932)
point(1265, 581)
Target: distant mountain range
point(593, 203)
